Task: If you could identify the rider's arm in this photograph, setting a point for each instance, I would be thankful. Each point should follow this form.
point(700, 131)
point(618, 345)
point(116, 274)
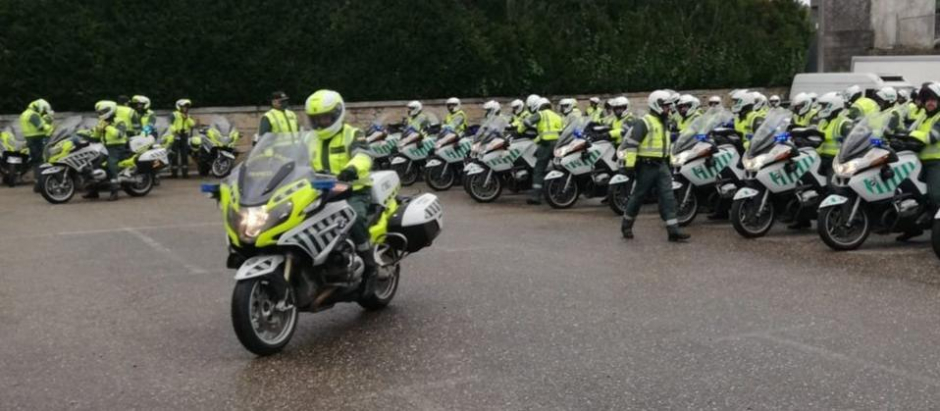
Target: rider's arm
point(631, 143)
point(265, 126)
point(530, 122)
point(359, 153)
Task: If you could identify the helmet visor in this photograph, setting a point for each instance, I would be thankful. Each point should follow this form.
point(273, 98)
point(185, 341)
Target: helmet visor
point(325, 120)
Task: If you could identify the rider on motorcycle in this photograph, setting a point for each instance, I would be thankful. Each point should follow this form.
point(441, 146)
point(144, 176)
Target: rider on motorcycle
point(518, 112)
point(148, 121)
point(416, 118)
point(928, 132)
point(689, 110)
point(887, 98)
point(747, 119)
point(594, 111)
point(340, 149)
point(569, 109)
point(112, 134)
point(834, 124)
point(804, 115)
point(456, 117)
point(859, 105)
point(622, 118)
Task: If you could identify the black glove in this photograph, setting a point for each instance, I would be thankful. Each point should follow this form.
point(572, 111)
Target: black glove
point(348, 175)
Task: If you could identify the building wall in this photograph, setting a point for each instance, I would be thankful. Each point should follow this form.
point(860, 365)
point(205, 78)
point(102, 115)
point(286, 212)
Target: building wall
point(903, 23)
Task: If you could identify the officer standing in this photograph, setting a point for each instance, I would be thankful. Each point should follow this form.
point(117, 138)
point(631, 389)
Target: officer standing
point(36, 123)
point(928, 131)
point(182, 129)
point(340, 149)
point(278, 119)
point(548, 125)
point(647, 161)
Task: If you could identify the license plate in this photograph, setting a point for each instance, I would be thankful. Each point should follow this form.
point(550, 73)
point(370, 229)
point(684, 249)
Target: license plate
point(14, 160)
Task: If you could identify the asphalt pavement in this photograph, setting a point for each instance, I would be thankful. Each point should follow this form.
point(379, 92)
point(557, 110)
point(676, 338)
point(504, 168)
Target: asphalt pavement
point(126, 305)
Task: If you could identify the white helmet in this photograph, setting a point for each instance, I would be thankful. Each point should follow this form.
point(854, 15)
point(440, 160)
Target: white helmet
point(851, 94)
point(105, 109)
point(595, 101)
point(491, 108)
point(760, 100)
point(41, 106)
point(142, 101)
point(740, 100)
point(453, 104)
point(517, 106)
point(414, 108)
point(659, 101)
point(544, 103)
point(775, 101)
point(813, 96)
point(532, 102)
point(183, 102)
point(904, 95)
point(622, 103)
point(567, 104)
point(801, 104)
point(887, 94)
point(714, 101)
point(690, 101)
point(830, 104)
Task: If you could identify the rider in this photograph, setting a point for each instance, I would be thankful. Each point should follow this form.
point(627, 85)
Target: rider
point(647, 159)
point(774, 101)
point(887, 98)
point(747, 119)
point(455, 118)
point(622, 118)
point(416, 118)
point(859, 105)
point(181, 128)
point(127, 116)
point(569, 109)
point(112, 134)
point(804, 115)
point(548, 124)
point(714, 101)
point(36, 124)
point(689, 110)
point(491, 110)
point(148, 121)
point(915, 111)
point(518, 113)
point(928, 132)
point(340, 149)
point(761, 105)
point(594, 111)
point(835, 125)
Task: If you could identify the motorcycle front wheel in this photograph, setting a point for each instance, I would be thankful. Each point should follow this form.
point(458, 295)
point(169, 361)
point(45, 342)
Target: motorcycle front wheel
point(407, 172)
point(440, 178)
point(557, 196)
point(483, 191)
point(221, 167)
point(686, 209)
point(618, 195)
point(262, 324)
point(746, 219)
point(839, 234)
point(57, 188)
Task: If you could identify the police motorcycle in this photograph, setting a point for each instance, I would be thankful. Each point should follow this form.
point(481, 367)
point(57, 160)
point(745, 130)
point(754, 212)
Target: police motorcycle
point(213, 149)
point(585, 160)
point(288, 231)
point(383, 139)
point(445, 167)
point(505, 160)
point(74, 161)
point(413, 150)
point(875, 187)
point(706, 166)
point(477, 143)
point(783, 179)
point(14, 155)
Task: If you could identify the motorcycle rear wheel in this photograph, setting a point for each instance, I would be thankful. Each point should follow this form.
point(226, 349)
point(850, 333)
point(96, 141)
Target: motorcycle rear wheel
point(260, 325)
point(140, 189)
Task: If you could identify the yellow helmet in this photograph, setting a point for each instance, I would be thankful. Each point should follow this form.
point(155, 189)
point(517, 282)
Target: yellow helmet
point(326, 112)
point(105, 109)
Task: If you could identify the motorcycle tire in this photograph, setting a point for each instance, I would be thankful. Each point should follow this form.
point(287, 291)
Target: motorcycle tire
point(475, 183)
point(141, 189)
point(741, 211)
point(250, 304)
point(64, 192)
point(384, 290)
point(686, 213)
point(556, 198)
point(440, 178)
point(618, 195)
point(832, 230)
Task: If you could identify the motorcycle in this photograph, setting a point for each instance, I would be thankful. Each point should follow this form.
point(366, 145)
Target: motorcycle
point(445, 167)
point(214, 148)
point(74, 162)
point(14, 156)
point(782, 178)
point(503, 162)
point(383, 142)
point(706, 167)
point(585, 160)
point(876, 187)
point(413, 151)
point(288, 237)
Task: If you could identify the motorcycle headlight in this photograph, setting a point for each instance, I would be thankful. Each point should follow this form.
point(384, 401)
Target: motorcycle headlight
point(679, 159)
point(847, 169)
point(756, 163)
point(251, 222)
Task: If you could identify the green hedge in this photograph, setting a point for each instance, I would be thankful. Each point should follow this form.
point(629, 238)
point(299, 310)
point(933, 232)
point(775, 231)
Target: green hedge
point(236, 52)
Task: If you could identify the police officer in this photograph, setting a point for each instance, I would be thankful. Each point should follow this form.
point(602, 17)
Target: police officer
point(859, 105)
point(340, 149)
point(774, 101)
point(127, 117)
point(915, 111)
point(278, 119)
point(110, 132)
point(518, 113)
point(548, 124)
point(804, 115)
point(416, 118)
point(622, 118)
point(36, 123)
point(455, 118)
point(181, 128)
point(148, 121)
point(746, 118)
point(928, 132)
point(714, 101)
point(570, 111)
point(887, 99)
point(689, 108)
point(594, 111)
point(647, 161)
point(491, 110)
point(835, 125)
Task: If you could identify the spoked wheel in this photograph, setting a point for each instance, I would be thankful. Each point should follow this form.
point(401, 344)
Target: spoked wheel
point(221, 167)
point(57, 188)
point(407, 172)
point(617, 197)
point(386, 281)
point(687, 202)
point(747, 218)
point(839, 233)
point(559, 196)
point(485, 191)
point(440, 178)
point(263, 324)
point(141, 186)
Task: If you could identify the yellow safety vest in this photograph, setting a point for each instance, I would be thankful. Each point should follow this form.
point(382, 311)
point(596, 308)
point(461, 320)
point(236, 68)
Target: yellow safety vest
point(684, 123)
point(128, 117)
point(339, 155)
point(616, 130)
point(282, 121)
point(804, 120)
point(932, 151)
point(656, 143)
point(463, 123)
point(550, 126)
point(830, 146)
point(866, 106)
point(29, 129)
point(109, 134)
point(182, 124)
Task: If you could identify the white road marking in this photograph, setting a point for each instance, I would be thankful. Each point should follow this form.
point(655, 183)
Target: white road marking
point(117, 230)
point(165, 251)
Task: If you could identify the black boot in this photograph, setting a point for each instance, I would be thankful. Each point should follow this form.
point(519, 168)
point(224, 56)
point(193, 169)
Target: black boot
point(535, 198)
point(91, 194)
point(718, 215)
point(626, 228)
point(909, 235)
point(369, 271)
point(675, 235)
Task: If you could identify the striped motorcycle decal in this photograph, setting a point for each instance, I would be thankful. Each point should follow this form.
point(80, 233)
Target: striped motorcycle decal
point(510, 158)
point(584, 161)
point(316, 234)
point(876, 185)
point(719, 163)
point(783, 179)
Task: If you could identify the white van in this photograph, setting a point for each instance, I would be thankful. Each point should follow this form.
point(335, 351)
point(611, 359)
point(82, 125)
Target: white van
point(821, 83)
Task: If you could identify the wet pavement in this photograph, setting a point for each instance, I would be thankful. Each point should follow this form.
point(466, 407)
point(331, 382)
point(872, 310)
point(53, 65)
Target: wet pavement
point(126, 306)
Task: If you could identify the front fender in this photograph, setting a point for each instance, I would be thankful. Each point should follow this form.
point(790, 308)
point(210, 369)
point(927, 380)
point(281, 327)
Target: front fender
point(554, 174)
point(434, 162)
point(258, 266)
point(399, 160)
point(619, 179)
point(745, 192)
point(225, 153)
point(473, 168)
point(51, 169)
point(833, 200)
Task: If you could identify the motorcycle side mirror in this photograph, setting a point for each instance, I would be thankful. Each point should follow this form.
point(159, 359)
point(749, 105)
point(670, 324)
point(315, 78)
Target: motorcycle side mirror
point(213, 191)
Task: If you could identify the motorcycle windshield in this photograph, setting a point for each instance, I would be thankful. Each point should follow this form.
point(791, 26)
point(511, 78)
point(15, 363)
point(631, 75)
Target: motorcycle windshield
point(223, 127)
point(162, 125)
point(863, 135)
point(378, 124)
point(66, 128)
point(700, 128)
point(494, 127)
point(774, 126)
point(572, 131)
point(276, 160)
